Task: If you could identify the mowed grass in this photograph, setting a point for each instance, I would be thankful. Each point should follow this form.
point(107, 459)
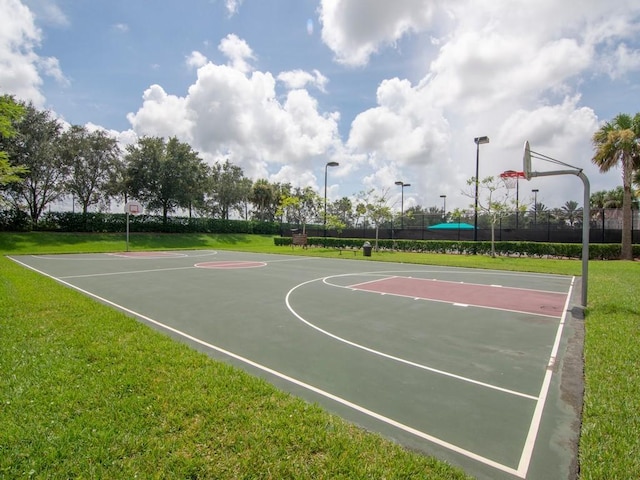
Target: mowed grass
point(88, 392)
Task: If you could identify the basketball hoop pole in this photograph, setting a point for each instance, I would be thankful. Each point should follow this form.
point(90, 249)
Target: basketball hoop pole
point(127, 230)
point(586, 218)
point(131, 207)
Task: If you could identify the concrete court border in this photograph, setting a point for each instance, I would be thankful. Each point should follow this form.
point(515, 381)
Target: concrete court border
point(516, 473)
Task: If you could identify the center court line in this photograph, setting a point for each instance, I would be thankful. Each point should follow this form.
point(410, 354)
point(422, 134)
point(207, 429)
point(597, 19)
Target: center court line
point(335, 398)
point(89, 275)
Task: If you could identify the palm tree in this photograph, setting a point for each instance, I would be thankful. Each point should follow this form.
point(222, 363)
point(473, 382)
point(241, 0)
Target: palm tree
point(571, 211)
point(618, 143)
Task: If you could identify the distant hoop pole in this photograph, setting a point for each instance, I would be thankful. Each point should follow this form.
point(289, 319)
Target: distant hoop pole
point(586, 211)
point(134, 208)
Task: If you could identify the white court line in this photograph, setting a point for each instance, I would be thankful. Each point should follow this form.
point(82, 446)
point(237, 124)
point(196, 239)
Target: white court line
point(392, 357)
point(97, 257)
point(335, 398)
point(534, 428)
point(358, 285)
point(471, 284)
point(89, 275)
point(356, 288)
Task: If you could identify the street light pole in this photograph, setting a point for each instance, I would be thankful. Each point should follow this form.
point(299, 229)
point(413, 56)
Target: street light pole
point(444, 206)
point(478, 141)
point(535, 206)
point(329, 164)
point(402, 185)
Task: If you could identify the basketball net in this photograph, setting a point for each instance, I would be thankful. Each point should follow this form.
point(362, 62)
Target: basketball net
point(510, 178)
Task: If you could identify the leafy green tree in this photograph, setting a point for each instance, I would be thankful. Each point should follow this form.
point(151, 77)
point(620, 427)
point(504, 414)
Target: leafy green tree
point(35, 147)
point(418, 216)
point(617, 143)
point(343, 210)
point(90, 159)
point(263, 196)
point(10, 113)
point(161, 174)
point(335, 223)
point(228, 190)
point(191, 175)
point(117, 186)
point(361, 212)
point(301, 206)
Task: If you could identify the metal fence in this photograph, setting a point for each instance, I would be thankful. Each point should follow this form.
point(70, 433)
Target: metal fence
point(605, 227)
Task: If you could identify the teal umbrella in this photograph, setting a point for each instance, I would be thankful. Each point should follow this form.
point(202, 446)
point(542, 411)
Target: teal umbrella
point(451, 226)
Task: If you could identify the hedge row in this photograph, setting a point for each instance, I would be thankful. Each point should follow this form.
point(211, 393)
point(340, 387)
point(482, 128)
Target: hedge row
point(599, 251)
point(117, 222)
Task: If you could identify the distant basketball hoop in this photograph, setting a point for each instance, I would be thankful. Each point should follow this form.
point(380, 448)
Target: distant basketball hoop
point(133, 207)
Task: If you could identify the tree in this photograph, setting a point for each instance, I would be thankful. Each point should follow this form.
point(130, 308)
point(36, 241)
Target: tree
point(343, 210)
point(10, 113)
point(228, 190)
point(301, 206)
point(571, 212)
point(262, 197)
point(335, 223)
point(90, 159)
point(161, 174)
point(191, 175)
point(118, 184)
point(493, 201)
point(617, 143)
point(376, 209)
point(537, 211)
point(35, 147)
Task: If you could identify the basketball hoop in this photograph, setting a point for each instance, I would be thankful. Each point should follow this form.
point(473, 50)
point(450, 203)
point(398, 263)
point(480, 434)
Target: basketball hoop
point(510, 178)
point(133, 207)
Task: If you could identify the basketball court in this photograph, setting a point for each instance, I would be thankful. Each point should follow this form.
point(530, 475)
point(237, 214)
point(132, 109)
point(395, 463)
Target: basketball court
point(479, 368)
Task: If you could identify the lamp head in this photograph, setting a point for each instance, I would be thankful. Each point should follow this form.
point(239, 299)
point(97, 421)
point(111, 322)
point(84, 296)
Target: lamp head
point(481, 140)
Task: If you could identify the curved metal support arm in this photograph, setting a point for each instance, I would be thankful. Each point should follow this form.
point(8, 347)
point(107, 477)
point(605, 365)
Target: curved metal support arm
point(586, 220)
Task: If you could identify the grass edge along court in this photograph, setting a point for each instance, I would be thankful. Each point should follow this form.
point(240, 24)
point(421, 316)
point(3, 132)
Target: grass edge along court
point(113, 368)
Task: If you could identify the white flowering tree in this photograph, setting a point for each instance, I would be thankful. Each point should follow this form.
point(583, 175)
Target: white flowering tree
point(494, 201)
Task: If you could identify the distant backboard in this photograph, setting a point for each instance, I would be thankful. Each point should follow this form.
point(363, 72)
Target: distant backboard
point(133, 207)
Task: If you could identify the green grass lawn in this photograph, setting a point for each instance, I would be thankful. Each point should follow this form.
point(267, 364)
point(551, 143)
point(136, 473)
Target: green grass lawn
point(88, 392)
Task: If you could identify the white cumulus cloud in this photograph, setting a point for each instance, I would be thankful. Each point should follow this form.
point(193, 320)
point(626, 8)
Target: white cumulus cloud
point(237, 51)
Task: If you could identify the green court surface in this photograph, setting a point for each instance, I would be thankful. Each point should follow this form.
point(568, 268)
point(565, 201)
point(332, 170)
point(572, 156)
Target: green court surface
point(479, 368)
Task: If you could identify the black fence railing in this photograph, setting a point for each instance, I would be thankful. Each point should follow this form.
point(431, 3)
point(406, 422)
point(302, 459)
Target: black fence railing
point(605, 226)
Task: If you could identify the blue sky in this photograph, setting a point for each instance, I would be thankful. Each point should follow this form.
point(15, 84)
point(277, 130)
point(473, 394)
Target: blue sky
point(391, 90)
